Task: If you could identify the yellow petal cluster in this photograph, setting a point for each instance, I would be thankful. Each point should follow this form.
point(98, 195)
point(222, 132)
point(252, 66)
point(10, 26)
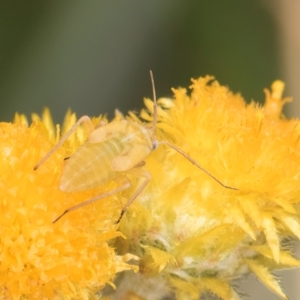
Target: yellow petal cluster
point(194, 235)
point(70, 259)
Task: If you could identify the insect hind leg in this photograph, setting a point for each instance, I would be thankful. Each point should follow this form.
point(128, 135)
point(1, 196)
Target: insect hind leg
point(140, 173)
point(94, 199)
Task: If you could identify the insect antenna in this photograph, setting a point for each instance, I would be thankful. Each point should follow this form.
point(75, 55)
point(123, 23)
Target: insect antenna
point(156, 142)
point(196, 164)
point(154, 104)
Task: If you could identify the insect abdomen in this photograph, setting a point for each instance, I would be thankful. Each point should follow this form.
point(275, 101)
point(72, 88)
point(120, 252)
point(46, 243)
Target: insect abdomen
point(90, 165)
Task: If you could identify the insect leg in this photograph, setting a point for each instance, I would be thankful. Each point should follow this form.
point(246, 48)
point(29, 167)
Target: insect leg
point(92, 200)
point(82, 119)
point(197, 165)
point(141, 173)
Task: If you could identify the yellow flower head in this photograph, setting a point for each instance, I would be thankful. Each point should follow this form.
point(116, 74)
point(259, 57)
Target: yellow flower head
point(194, 235)
point(70, 259)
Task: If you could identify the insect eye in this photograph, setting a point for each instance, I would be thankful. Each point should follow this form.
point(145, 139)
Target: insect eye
point(155, 144)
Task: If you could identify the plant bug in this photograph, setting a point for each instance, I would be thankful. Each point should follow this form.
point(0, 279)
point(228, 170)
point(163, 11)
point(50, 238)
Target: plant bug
point(119, 146)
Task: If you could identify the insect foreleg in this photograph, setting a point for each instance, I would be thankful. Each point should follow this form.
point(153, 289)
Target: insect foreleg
point(141, 173)
point(63, 139)
point(196, 164)
point(94, 199)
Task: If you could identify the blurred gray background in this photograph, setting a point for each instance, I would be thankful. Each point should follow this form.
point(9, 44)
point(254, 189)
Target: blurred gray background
point(95, 56)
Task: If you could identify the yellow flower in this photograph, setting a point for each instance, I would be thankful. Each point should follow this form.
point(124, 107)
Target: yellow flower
point(70, 259)
point(192, 234)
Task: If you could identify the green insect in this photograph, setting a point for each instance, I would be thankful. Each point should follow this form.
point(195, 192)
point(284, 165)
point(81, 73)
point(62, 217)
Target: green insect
point(120, 146)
